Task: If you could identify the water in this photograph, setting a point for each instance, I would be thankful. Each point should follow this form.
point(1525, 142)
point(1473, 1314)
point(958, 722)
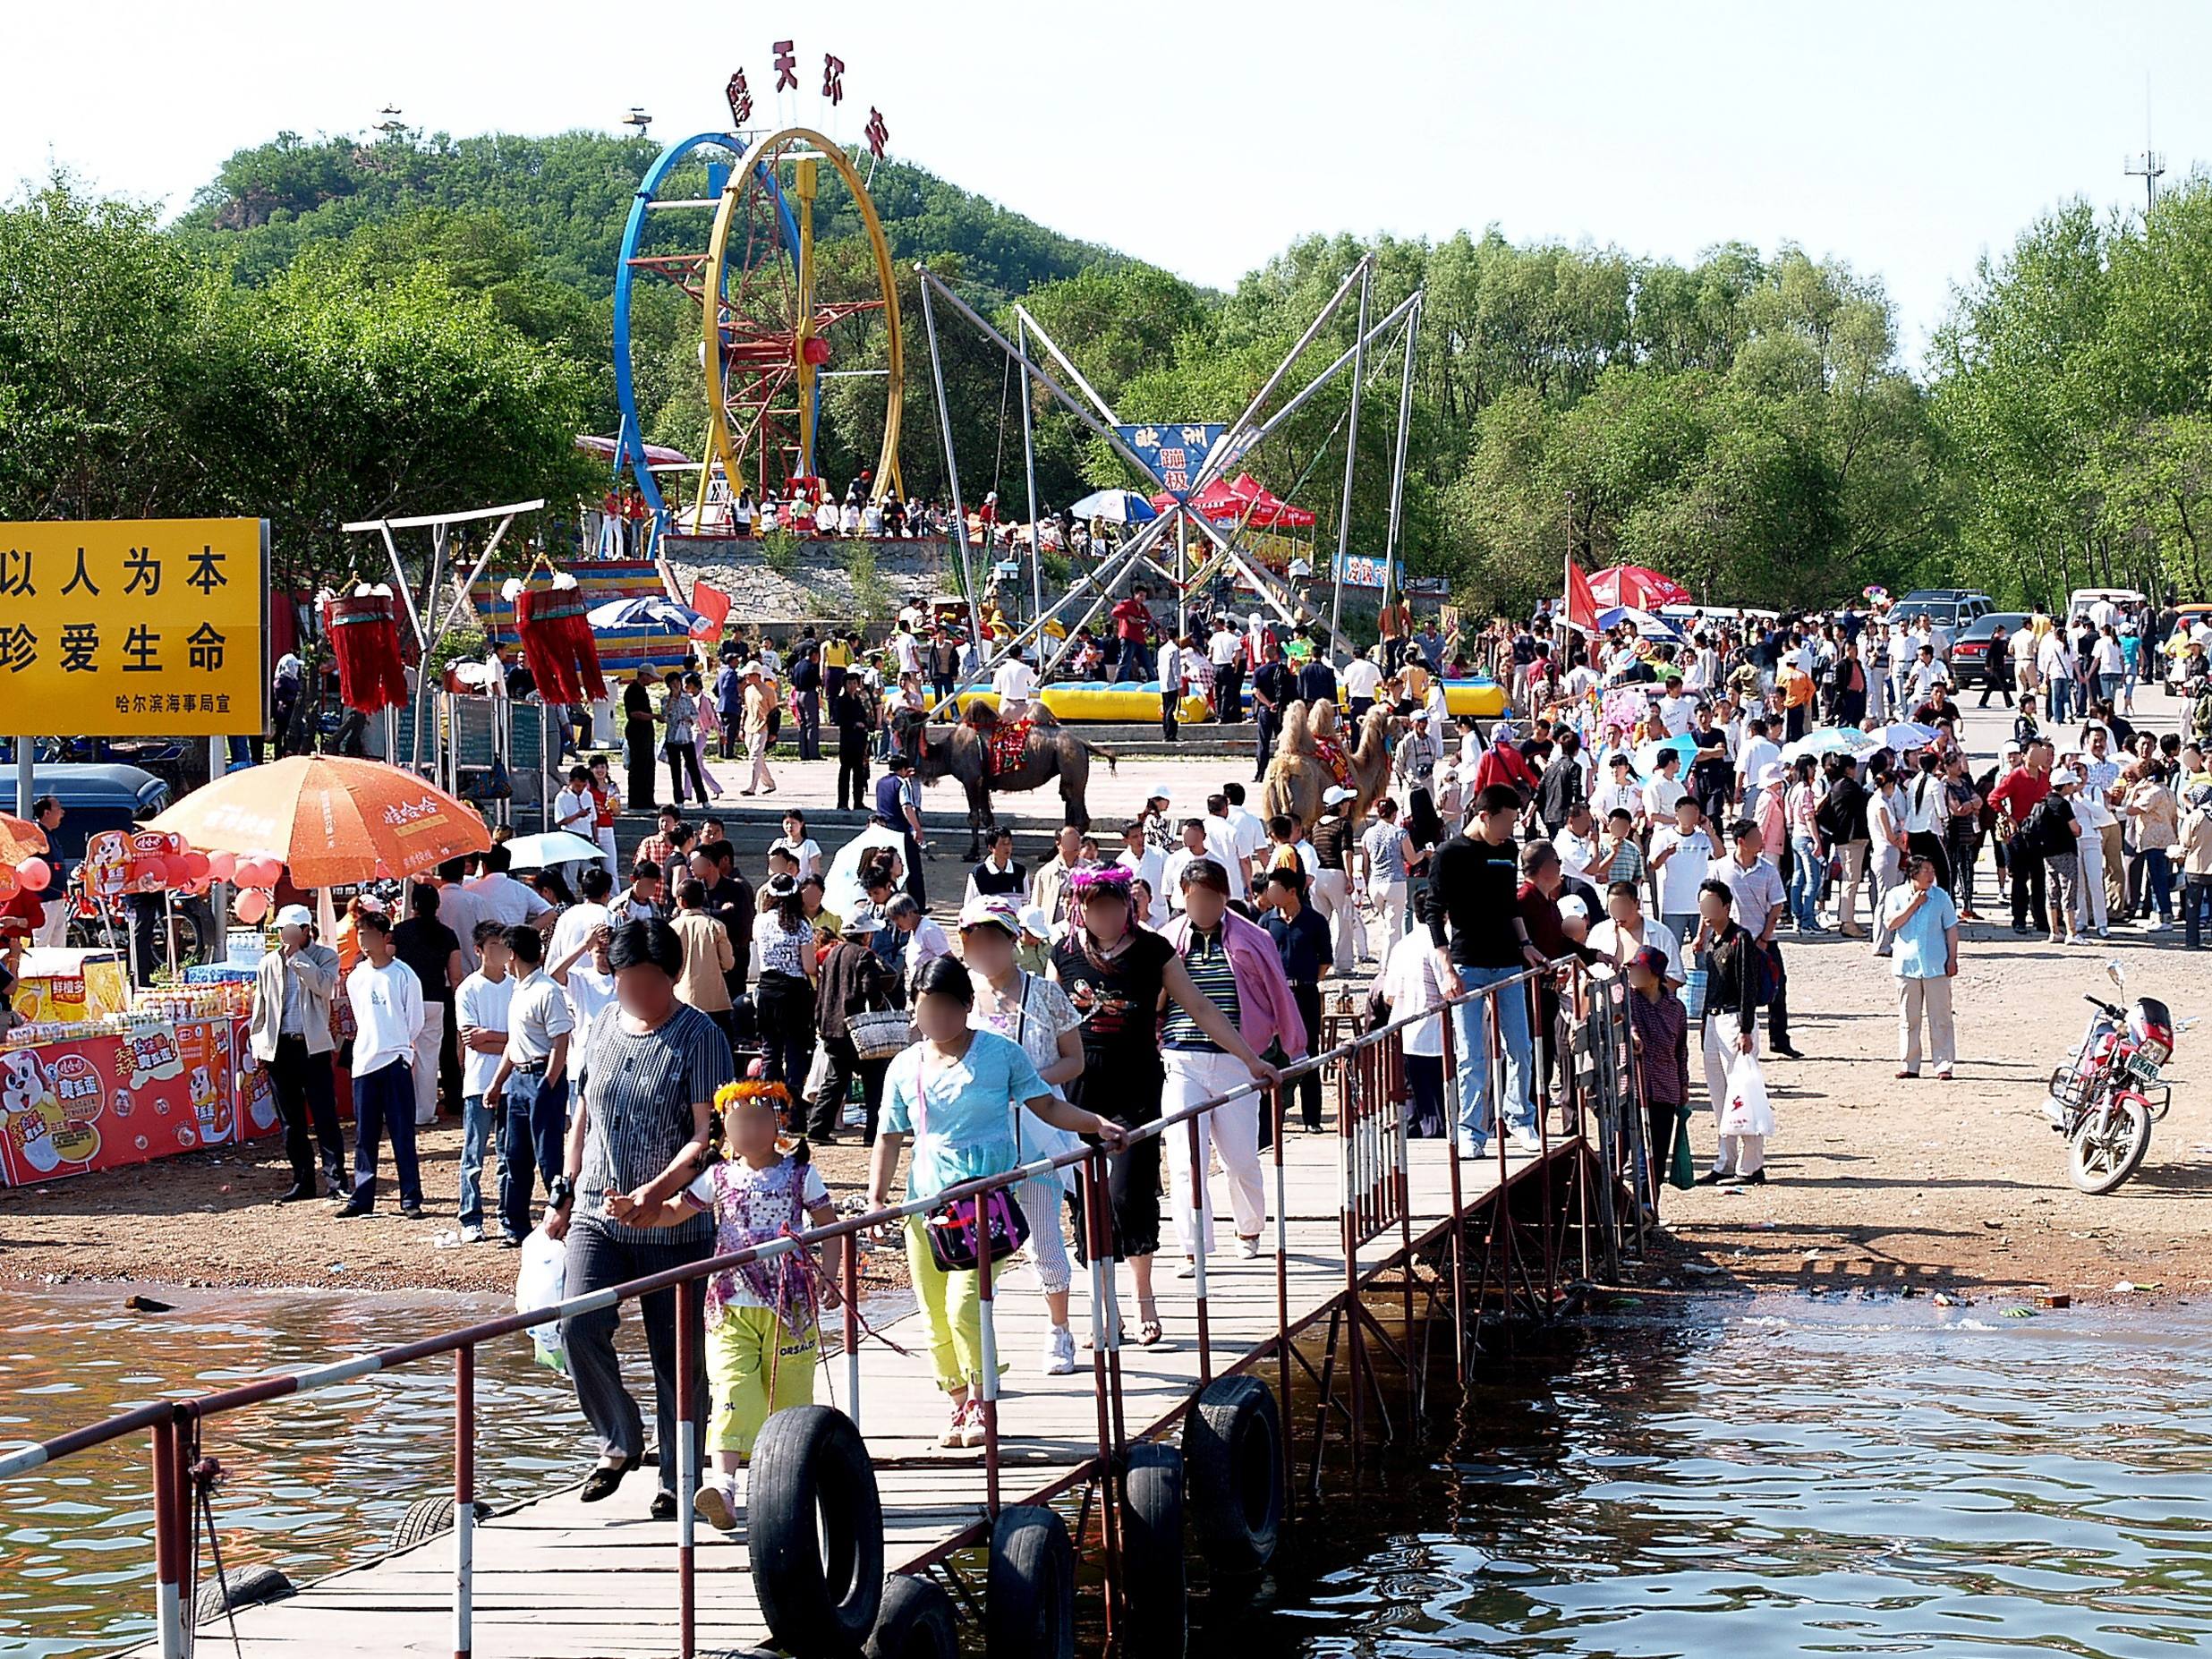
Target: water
point(1791, 1477)
point(1783, 1475)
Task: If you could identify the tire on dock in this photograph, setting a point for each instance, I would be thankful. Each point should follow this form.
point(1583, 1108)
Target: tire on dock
point(1232, 1459)
point(916, 1621)
point(814, 1532)
point(425, 1518)
point(249, 1587)
point(1151, 1546)
point(1029, 1607)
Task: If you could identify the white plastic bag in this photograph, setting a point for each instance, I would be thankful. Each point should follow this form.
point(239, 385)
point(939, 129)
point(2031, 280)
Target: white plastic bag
point(542, 1282)
point(1747, 1110)
point(817, 1075)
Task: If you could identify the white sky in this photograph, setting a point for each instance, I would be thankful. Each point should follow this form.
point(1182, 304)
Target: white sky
point(1905, 136)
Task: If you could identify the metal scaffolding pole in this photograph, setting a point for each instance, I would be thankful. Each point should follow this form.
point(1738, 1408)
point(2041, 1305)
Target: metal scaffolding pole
point(1398, 467)
point(1029, 467)
point(952, 472)
point(1351, 455)
point(1232, 442)
point(1021, 314)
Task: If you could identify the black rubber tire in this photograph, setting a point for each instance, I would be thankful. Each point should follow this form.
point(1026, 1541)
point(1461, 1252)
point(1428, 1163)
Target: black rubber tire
point(814, 1531)
point(1232, 1457)
point(1152, 1572)
point(1029, 1608)
point(425, 1519)
point(248, 1587)
point(916, 1621)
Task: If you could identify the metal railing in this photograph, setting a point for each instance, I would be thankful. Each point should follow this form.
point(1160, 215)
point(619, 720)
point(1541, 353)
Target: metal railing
point(1376, 1200)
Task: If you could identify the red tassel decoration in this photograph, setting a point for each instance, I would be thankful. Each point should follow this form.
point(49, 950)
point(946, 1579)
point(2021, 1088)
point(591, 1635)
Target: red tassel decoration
point(558, 646)
point(364, 637)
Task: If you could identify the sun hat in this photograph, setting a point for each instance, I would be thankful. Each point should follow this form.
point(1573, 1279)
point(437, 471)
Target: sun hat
point(1035, 923)
point(1334, 795)
point(992, 910)
point(865, 922)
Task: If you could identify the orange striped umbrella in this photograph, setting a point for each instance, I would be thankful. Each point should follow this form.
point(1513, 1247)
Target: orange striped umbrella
point(330, 818)
point(20, 838)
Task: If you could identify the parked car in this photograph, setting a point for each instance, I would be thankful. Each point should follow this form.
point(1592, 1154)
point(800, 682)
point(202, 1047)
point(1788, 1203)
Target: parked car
point(2082, 601)
point(1947, 608)
point(2177, 666)
point(1970, 653)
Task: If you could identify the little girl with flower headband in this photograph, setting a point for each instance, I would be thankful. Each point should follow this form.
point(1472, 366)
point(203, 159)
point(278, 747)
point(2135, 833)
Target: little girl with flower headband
point(762, 1340)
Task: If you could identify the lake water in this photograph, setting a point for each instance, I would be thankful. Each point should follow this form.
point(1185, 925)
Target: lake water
point(1785, 1475)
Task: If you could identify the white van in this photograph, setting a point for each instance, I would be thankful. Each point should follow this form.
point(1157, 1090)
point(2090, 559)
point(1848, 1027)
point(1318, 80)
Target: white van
point(2084, 601)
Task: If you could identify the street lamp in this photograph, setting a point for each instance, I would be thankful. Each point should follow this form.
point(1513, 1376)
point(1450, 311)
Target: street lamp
point(639, 119)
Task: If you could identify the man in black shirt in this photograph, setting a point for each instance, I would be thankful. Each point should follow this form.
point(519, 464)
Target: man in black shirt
point(1481, 941)
point(433, 950)
point(1317, 680)
point(1273, 685)
point(1561, 787)
point(1302, 942)
point(730, 901)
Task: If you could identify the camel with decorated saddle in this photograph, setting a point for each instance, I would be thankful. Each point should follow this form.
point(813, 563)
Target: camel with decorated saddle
point(1310, 755)
point(986, 753)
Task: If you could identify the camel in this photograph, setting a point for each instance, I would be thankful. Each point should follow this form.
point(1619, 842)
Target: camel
point(962, 752)
point(1297, 775)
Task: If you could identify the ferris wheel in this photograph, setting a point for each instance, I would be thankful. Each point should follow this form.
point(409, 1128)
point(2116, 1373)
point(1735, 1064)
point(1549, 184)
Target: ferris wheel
point(769, 325)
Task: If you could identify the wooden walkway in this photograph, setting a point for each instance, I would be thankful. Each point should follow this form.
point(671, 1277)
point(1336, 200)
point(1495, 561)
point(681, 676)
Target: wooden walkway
point(555, 1579)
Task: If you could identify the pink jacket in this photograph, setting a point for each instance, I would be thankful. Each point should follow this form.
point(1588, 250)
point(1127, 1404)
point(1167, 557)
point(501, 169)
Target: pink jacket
point(1265, 1009)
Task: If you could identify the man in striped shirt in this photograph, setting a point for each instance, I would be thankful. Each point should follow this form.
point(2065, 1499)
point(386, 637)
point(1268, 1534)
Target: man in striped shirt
point(645, 1076)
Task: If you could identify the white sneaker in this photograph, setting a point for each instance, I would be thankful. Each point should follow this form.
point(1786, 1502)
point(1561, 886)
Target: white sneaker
point(1246, 1248)
point(1186, 1269)
point(716, 1503)
point(472, 1234)
point(1524, 1141)
point(1059, 1353)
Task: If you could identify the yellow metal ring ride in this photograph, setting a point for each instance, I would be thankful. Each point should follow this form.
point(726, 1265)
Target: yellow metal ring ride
point(769, 331)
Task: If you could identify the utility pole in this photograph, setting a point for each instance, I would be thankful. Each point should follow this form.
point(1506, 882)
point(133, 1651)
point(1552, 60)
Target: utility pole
point(2150, 166)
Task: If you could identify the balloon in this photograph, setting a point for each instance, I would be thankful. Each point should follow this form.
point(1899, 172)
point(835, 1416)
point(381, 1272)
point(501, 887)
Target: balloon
point(147, 875)
point(198, 866)
point(251, 906)
point(259, 872)
point(34, 873)
point(176, 869)
point(222, 867)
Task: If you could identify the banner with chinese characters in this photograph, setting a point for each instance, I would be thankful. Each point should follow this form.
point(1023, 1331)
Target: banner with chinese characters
point(1172, 452)
point(96, 1102)
point(1363, 570)
point(147, 628)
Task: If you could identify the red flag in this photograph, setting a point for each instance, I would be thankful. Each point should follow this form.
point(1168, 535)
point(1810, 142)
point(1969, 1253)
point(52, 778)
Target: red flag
point(713, 608)
point(1581, 604)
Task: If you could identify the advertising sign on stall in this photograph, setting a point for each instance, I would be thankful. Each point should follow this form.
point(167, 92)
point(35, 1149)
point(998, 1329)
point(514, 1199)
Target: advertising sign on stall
point(97, 1102)
point(145, 627)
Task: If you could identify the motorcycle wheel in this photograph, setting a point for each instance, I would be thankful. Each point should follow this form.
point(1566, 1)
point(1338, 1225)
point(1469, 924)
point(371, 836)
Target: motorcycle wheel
point(2109, 1146)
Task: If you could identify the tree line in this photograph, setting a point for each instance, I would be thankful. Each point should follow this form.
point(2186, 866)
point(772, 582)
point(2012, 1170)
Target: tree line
point(336, 330)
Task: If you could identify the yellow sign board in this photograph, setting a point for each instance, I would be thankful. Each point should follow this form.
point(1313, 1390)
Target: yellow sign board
point(136, 627)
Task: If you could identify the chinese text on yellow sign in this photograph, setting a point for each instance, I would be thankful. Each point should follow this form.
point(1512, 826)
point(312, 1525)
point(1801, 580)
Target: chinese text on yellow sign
point(134, 627)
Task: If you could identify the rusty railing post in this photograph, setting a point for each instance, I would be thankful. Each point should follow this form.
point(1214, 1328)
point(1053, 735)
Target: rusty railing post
point(169, 1523)
point(687, 1340)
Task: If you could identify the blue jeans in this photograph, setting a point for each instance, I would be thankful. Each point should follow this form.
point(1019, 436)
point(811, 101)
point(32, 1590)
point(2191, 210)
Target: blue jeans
point(475, 1136)
point(2108, 687)
point(1136, 662)
point(2062, 698)
point(1473, 1054)
point(1806, 869)
point(531, 1144)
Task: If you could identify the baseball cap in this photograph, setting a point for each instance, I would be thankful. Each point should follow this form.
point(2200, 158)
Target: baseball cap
point(992, 910)
point(295, 916)
point(2063, 776)
point(1035, 921)
point(1651, 959)
point(1335, 793)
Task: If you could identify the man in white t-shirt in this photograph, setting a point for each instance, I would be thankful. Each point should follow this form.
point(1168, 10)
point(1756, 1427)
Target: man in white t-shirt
point(1675, 708)
point(503, 898)
point(1247, 832)
point(1664, 789)
point(1619, 791)
point(1361, 679)
point(1148, 864)
point(1627, 930)
point(1679, 853)
point(480, 1012)
point(1016, 683)
point(1759, 751)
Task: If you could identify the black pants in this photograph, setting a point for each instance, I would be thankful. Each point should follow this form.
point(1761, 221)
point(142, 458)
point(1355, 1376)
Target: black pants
point(853, 774)
point(915, 884)
point(726, 745)
point(637, 737)
point(828, 1115)
point(1169, 701)
point(1228, 694)
point(384, 1104)
point(809, 726)
point(449, 1063)
point(940, 688)
point(1264, 747)
point(1961, 845)
point(596, 1260)
point(1308, 999)
point(2027, 888)
point(787, 1005)
point(1778, 1000)
point(2196, 898)
point(684, 761)
point(1131, 1100)
point(307, 1099)
point(1922, 845)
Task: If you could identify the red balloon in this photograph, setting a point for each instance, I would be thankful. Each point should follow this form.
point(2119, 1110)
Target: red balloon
point(177, 868)
point(34, 873)
point(223, 866)
point(198, 866)
point(252, 906)
point(147, 875)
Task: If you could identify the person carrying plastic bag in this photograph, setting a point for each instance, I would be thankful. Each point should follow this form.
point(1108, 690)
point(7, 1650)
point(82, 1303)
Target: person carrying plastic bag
point(1734, 1084)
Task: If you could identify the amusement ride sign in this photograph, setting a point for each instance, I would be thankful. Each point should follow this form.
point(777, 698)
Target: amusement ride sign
point(1172, 451)
point(155, 628)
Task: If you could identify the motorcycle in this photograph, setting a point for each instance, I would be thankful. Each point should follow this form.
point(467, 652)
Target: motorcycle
point(2107, 1095)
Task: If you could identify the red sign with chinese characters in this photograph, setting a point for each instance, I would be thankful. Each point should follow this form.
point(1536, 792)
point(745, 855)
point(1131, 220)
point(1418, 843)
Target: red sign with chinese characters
point(99, 1102)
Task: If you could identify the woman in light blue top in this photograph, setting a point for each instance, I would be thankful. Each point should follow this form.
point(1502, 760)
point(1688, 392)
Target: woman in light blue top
point(955, 1091)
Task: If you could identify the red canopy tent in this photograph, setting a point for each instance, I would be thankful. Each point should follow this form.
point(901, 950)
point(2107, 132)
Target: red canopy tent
point(1636, 586)
point(1242, 499)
